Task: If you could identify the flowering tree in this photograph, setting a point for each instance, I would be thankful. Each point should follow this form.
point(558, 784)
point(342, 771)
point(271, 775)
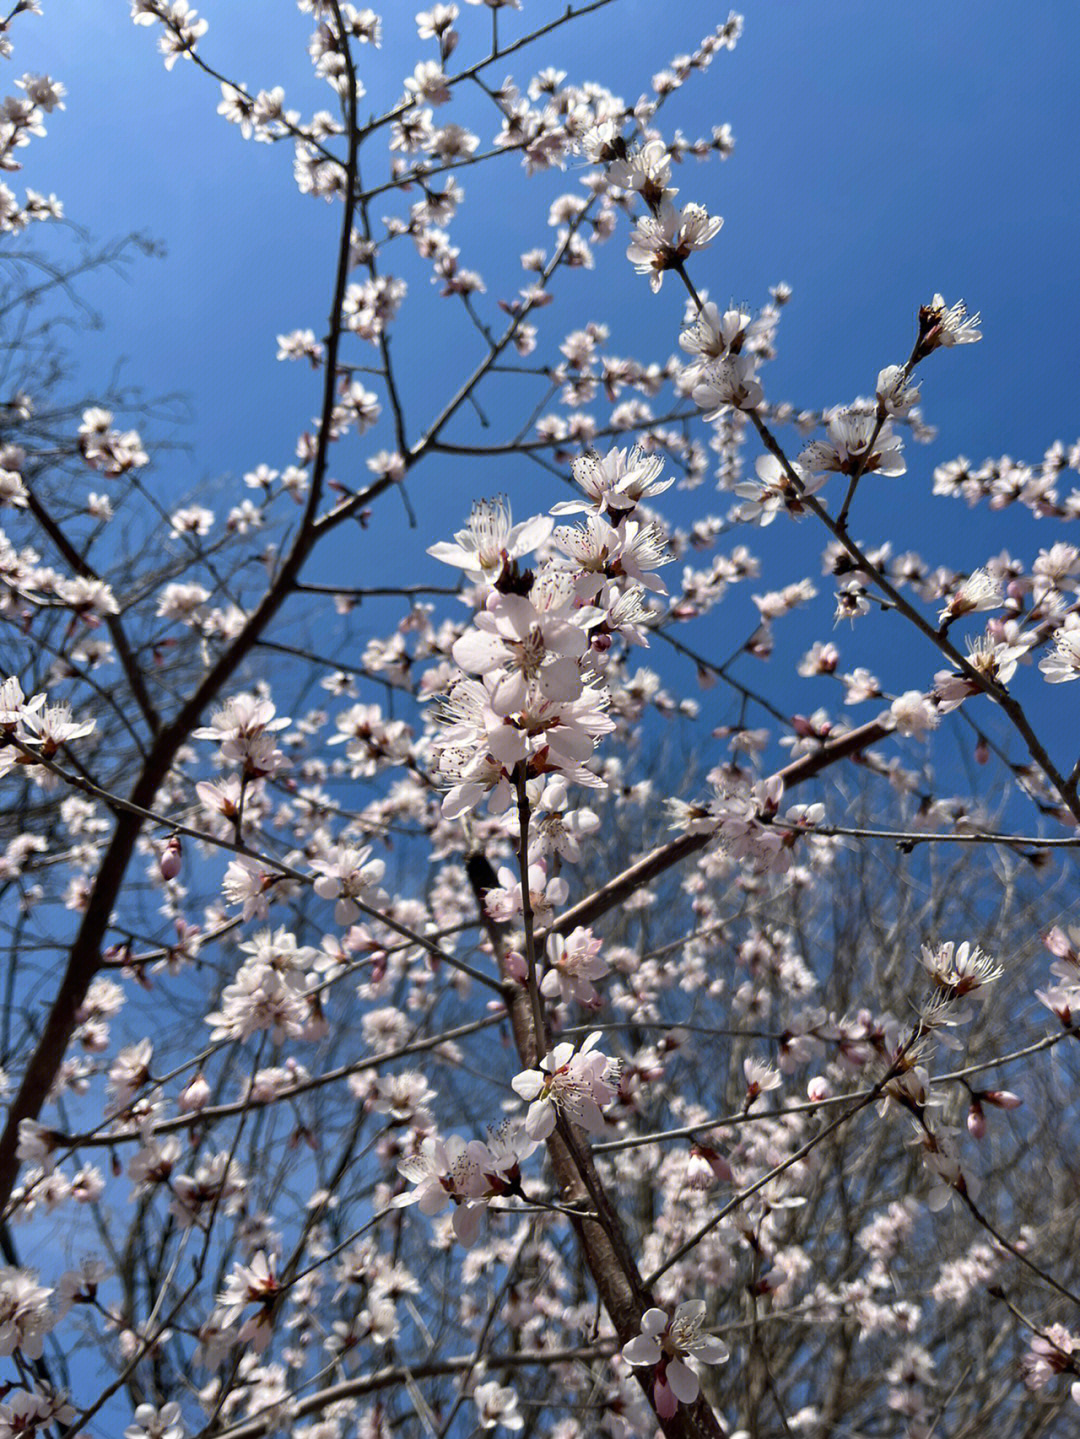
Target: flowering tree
point(443, 1052)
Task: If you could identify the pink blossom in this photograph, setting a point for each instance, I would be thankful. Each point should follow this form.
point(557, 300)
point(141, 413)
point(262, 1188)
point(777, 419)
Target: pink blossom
point(572, 1083)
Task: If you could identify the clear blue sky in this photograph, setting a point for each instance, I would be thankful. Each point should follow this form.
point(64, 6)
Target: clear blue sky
point(882, 153)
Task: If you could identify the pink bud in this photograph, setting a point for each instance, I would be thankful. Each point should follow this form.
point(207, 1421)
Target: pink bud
point(770, 1282)
point(760, 643)
point(817, 1089)
point(317, 1025)
point(171, 858)
point(982, 752)
point(664, 1398)
point(976, 1120)
point(1001, 1098)
point(516, 966)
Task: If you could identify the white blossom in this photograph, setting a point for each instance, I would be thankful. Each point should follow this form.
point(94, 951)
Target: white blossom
point(665, 1344)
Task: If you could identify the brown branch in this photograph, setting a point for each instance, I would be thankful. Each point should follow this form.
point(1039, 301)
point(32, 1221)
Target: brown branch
point(84, 958)
point(593, 906)
point(603, 1241)
point(113, 623)
point(211, 1113)
point(394, 1374)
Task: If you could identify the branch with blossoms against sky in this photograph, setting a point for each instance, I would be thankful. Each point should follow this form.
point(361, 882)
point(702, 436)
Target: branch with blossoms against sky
point(108, 451)
point(860, 441)
point(246, 739)
point(483, 1101)
point(531, 666)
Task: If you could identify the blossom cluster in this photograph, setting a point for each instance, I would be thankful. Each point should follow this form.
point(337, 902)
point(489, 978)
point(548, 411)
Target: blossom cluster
point(536, 702)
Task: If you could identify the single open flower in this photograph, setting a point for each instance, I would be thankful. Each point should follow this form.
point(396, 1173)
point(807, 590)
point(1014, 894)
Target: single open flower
point(575, 1084)
point(667, 1345)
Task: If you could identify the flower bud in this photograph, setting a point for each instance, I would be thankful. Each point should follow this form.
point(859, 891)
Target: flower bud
point(1001, 1098)
point(194, 1096)
point(171, 858)
point(516, 966)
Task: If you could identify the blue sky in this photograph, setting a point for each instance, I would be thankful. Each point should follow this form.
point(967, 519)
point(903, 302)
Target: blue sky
point(882, 153)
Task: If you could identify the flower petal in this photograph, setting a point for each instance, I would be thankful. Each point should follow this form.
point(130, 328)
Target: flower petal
point(711, 1350)
point(528, 1084)
point(540, 1120)
point(587, 1114)
point(683, 1381)
point(432, 1198)
point(530, 533)
point(466, 1222)
point(451, 554)
point(643, 1349)
point(478, 653)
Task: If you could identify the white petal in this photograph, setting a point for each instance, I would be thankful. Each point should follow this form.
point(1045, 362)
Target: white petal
point(515, 615)
point(510, 693)
point(477, 652)
point(433, 1198)
point(466, 1222)
point(507, 746)
point(453, 555)
point(711, 1350)
point(683, 1382)
point(654, 1321)
point(529, 534)
point(527, 1084)
point(540, 1120)
point(559, 681)
point(587, 1114)
point(461, 799)
point(642, 1350)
